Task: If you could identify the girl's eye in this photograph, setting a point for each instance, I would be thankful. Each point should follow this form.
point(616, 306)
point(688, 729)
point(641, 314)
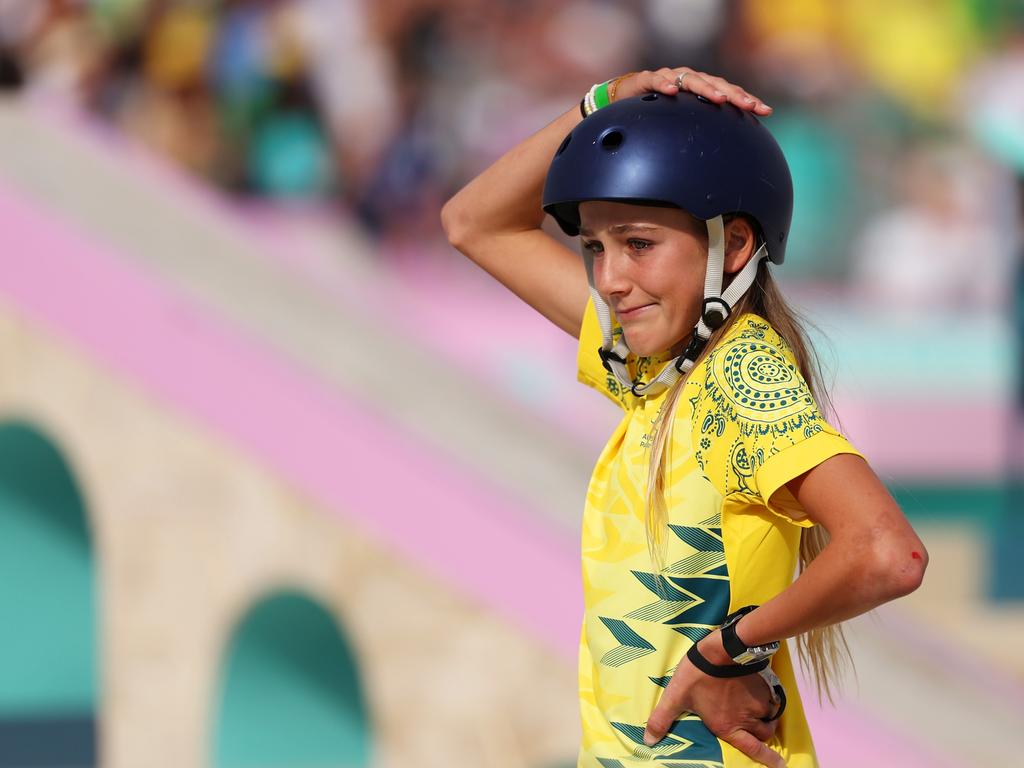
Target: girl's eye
point(593, 246)
point(638, 245)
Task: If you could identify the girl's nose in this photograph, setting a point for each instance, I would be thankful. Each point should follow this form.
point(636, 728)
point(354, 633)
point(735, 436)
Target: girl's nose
point(610, 275)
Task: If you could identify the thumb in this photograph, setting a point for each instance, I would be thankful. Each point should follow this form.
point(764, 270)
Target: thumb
point(757, 750)
point(661, 719)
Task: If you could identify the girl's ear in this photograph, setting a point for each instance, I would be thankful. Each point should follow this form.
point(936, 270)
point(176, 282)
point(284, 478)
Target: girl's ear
point(740, 244)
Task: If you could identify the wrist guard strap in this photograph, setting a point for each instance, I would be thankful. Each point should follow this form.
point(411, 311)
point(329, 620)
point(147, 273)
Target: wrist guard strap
point(723, 670)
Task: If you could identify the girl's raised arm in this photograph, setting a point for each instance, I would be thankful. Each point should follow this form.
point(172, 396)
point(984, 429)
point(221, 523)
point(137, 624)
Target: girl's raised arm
point(496, 219)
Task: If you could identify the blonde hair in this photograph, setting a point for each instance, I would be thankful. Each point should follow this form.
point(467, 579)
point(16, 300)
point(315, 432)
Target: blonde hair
point(823, 652)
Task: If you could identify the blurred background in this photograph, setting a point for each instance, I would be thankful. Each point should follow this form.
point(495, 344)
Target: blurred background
point(285, 481)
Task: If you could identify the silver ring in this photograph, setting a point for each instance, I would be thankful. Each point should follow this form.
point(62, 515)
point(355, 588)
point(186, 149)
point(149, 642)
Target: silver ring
point(679, 80)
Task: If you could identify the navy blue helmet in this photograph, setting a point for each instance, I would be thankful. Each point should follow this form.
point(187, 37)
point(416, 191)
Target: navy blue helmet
point(682, 151)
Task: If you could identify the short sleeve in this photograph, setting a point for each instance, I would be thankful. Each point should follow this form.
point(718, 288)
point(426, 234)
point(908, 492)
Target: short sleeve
point(757, 424)
point(781, 466)
point(590, 369)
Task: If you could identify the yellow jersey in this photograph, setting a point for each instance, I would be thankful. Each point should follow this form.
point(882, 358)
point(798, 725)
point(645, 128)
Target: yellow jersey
point(745, 425)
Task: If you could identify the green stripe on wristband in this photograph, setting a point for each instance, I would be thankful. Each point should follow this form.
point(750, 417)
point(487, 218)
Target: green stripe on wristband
point(601, 95)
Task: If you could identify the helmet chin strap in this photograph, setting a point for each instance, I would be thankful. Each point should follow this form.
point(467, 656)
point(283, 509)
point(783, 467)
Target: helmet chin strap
point(715, 309)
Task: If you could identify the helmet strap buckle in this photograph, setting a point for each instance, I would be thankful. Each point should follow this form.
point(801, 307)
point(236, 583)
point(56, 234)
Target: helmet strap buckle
point(714, 312)
point(692, 351)
point(608, 356)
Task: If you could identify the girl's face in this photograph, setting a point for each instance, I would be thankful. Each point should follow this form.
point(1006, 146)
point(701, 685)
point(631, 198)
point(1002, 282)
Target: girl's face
point(649, 266)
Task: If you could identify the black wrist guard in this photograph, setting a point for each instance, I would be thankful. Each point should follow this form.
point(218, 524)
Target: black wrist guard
point(723, 670)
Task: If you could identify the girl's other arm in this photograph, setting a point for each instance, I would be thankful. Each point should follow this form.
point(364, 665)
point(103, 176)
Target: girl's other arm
point(873, 557)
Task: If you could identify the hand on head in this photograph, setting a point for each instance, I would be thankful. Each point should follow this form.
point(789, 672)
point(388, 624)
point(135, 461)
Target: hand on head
point(671, 81)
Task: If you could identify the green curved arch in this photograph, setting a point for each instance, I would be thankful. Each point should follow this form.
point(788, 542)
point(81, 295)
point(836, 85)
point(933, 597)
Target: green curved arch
point(47, 599)
point(290, 693)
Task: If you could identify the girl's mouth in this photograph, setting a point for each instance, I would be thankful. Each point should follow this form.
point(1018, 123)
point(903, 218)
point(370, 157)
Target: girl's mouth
point(634, 312)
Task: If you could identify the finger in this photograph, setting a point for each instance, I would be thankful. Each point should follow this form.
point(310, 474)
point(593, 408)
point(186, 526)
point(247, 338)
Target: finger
point(698, 83)
point(663, 81)
point(738, 96)
point(761, 730)
point(661, 719)
point(757, 750)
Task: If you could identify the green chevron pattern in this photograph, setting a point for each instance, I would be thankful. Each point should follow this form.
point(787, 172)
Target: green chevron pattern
point(631, 645)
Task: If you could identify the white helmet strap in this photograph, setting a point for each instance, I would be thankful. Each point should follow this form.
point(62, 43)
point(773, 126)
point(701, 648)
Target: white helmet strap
point(715, 309)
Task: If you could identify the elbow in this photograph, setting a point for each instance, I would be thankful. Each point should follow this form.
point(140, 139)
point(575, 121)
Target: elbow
point(899, 570)
point(456, 224)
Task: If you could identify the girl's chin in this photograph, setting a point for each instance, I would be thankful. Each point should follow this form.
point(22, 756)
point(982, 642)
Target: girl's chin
point(645, 347)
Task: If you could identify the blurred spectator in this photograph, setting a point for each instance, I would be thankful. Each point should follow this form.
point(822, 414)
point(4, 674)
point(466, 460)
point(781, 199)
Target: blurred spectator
point(794, 46)
point(172, 113)
point(690, 34)
point(352, 80)
point(913, 50)
point(386, 108)
point(51, 41)
point(270, 119)
point(993, 111)
point(823, 163)
point(991, 104)
point(935, 246)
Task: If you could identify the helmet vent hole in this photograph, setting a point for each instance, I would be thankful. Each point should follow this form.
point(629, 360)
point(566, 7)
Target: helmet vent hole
point(612, 139)
point(565, 143)
point(649, 97)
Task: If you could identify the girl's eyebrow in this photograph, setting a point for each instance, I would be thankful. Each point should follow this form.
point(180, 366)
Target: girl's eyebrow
point(620, 229)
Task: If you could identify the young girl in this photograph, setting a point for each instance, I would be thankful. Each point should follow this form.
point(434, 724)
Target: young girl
point(723, 473)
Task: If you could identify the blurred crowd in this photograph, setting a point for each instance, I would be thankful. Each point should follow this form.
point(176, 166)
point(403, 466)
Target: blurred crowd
point(902, 119)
